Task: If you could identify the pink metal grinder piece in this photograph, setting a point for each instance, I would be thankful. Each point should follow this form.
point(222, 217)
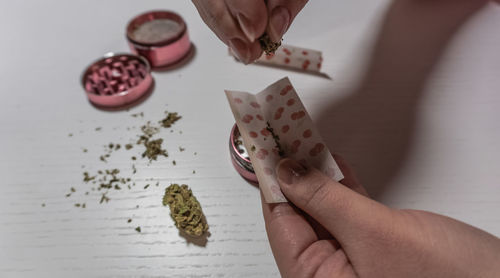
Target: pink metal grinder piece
point(240, 161)
point(159, 36)
point(117, 79)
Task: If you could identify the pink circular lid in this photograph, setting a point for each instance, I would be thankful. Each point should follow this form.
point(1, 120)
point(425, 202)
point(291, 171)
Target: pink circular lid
point(240, 160)
point(117, 80)
point(156, 28)
point(159, 36)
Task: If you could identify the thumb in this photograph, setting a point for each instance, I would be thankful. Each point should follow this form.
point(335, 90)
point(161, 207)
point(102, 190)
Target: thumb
point(346, 214)
point(281, 14)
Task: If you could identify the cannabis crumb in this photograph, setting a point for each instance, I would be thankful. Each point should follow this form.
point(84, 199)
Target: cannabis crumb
point(98, 128)
point(276, 139)
point(104, 198)
point(70, 135)
point(194, 172)
point(173, 162)
point(170, 119)
point(87, 177)
point(146, 186)
point(153, 149)
point(267, 45)
point(185, 210)
point(138, 229)
point(128, 146)
point(149, 130)
point(85, 150)
point(43, 205)
point(181, 149)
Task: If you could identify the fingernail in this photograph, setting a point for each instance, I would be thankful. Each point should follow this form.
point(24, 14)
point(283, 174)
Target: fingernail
point(289, 170)
point(247, 27)
point(241, 50)
point(278, 23)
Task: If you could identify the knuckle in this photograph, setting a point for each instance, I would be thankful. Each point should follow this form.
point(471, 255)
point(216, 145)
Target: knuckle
point(390, 235)
point(320, 194)
point(215, 16)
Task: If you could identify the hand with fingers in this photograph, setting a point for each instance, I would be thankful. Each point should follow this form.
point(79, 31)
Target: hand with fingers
point(332, 229)
point(239, 23)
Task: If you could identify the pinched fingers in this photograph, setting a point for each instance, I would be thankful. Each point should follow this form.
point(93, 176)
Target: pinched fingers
point(236, 23)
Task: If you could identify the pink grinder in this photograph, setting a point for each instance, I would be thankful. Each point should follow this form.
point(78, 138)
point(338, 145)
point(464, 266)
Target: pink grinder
point(159, 36)
point(117, 80)
point(239, 156)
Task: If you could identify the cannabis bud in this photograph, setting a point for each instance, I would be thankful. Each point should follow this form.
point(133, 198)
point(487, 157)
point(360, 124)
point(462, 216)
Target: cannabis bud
point(185, 210)
point(268, 45)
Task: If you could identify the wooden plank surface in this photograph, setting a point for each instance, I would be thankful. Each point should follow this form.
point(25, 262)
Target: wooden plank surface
point(437, 152)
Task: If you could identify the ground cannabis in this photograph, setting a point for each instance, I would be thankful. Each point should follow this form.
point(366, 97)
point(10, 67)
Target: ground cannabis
point(185, 210)
point(87, 178)
point(153, 149)
point(104, 198)
point(276, 139)
point(149, 130)
point(170, 119)
point(267, 45)
point(192, 221)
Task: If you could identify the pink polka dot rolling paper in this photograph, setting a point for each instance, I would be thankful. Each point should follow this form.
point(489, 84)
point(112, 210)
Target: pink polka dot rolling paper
point(293, 57)
point(275, 124)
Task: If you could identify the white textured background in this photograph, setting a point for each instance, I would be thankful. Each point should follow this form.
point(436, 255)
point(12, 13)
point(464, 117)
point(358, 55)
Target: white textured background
point(420, 125)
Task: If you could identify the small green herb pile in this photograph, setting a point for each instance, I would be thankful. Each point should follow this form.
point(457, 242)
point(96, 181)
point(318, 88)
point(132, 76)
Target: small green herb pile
point(267, 45)
point(185, 210)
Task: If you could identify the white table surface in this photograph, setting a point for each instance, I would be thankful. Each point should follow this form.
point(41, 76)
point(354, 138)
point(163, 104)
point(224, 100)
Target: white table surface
point(418, 118)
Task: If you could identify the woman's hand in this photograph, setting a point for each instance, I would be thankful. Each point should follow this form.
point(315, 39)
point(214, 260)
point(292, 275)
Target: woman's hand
point(331, 229)
point(239, 23)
